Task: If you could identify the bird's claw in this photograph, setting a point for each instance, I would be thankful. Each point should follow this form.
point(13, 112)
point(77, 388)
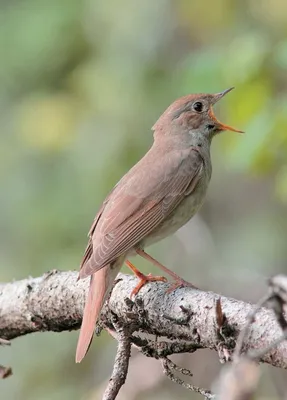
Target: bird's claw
point(144, 279)
point(180, 283)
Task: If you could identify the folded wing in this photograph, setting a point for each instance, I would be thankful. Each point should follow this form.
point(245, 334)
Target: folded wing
point(139, 203)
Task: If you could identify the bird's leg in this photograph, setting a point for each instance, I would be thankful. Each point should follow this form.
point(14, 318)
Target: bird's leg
point(149, 258)
point(178, 280)
point(143, 278)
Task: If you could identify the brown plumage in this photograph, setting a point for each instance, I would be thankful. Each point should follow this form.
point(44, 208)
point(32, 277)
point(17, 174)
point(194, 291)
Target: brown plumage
point(154, 199)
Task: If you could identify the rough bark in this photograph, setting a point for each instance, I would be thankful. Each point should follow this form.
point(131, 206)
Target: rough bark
point(55, 302)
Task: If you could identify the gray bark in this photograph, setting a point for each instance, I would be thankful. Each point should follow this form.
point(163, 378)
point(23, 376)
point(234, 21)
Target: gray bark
point(55, 302)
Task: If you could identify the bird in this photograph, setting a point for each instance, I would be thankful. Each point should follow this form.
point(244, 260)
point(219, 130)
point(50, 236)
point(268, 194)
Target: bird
point(155, 198)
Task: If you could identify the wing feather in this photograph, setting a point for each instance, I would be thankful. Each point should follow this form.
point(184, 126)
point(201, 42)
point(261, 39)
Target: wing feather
point(134, 210)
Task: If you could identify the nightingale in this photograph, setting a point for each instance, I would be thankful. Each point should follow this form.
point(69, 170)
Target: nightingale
point(153, 200)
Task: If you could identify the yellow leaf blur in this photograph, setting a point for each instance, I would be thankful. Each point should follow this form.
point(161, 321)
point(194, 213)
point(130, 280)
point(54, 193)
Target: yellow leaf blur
point(47, 122)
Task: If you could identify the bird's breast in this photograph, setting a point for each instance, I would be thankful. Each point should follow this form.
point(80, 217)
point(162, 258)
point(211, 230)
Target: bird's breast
point(180, 216)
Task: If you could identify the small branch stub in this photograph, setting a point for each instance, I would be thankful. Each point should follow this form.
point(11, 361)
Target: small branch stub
point(5, 372)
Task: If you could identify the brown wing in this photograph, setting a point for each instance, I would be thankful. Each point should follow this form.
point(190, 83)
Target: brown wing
point(89, 249)
point(141, 201)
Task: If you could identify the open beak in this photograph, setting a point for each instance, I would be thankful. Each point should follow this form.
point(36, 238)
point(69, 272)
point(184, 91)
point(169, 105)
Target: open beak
point(220, 126)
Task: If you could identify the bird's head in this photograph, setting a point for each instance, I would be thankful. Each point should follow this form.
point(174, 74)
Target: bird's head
point(193, 114)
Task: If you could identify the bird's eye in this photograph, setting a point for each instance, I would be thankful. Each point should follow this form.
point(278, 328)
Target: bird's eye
point(197, 106)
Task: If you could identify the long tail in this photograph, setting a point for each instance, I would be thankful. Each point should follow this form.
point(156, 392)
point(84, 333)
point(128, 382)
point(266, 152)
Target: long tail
point(101, 283)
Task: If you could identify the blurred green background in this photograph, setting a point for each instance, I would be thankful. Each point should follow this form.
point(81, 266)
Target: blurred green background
point(81, 84)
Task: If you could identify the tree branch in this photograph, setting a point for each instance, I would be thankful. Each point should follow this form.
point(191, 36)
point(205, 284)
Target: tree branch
point(121, 364)
point(169, 367)
point(55, 301)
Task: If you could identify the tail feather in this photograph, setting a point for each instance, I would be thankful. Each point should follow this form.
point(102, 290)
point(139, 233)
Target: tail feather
point(101, 283)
